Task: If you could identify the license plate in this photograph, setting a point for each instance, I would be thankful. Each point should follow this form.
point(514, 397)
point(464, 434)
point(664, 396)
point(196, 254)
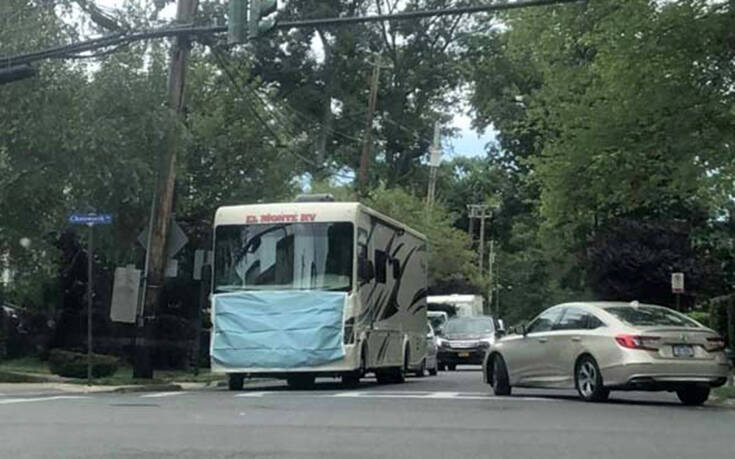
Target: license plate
point(463, 354)
point(683, 350)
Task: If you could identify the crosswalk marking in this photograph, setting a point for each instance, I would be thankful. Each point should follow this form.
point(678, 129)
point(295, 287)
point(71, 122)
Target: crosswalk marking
point(254, 394)
point(11, 401)
point(162, 394)
point(381, 394)
point(443, 395)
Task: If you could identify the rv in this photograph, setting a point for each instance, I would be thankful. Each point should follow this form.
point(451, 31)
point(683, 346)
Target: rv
point(310, 289)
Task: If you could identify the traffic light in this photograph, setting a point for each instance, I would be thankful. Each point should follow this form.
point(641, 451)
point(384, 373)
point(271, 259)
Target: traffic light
point(236, 20)
point(253, 13)
point(258, 24)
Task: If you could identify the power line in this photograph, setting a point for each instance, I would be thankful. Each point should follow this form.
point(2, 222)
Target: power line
point(279, 143)
point(189, 29)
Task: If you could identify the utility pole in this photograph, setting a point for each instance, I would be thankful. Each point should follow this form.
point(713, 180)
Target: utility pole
point(490, 266)
point(482, 212)
point(185, 10)
point(434, 161)
point(365, 157)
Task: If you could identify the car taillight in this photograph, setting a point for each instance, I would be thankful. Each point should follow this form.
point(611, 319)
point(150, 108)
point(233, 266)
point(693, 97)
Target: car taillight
point(715, 343)
point(648, 343)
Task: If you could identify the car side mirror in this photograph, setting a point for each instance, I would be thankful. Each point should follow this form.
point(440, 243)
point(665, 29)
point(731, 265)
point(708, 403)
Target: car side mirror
point(365, 269)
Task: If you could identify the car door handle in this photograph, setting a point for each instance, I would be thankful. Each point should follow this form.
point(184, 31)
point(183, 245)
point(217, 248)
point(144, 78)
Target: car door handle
point(543, 340)
point(576, 339)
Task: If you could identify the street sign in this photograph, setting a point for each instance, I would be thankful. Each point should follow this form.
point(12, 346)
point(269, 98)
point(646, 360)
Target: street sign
point(90, 219)
point(176, 241)
point(124, 305)
point(677, 282)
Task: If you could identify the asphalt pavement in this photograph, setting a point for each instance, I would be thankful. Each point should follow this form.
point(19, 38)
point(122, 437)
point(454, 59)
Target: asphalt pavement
point(452, 415)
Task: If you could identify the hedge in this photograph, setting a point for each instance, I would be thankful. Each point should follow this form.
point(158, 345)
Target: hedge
point(74, 364)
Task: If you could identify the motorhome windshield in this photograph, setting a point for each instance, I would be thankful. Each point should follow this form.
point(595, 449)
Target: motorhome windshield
point(293, 256)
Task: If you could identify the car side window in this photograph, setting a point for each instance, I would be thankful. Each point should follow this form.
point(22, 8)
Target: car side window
point(593, 322)
point(544, 322)
point(573, 319)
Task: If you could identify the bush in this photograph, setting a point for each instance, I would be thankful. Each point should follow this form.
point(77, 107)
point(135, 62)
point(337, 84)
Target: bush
point(74, 364)
point(700, 316)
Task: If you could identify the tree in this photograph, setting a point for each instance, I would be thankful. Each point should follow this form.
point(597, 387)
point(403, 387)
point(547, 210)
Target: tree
point(618, 111)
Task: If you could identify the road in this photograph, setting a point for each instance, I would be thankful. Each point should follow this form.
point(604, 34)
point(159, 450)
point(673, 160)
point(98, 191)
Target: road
point(452, 415)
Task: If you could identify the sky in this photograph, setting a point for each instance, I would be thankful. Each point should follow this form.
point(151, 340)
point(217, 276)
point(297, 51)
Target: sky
point(467, 142)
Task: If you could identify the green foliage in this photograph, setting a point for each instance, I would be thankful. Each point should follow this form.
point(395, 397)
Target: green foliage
point(74, 364)
point(612, 111)
point(700, 316)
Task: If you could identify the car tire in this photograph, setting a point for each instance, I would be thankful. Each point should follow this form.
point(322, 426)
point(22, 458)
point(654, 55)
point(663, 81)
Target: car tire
point(421, 370)
point(452, 367)
point(235, 381)
point(500, 380)
point(351, 379)
point(301, 382)
point(693, 395)
point(441, 367)
point(383, 376)
point(588, 380)
point(434, 371)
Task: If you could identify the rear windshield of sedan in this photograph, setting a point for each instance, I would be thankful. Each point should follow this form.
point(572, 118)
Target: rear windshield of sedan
point(469, 326)
point(650, 316)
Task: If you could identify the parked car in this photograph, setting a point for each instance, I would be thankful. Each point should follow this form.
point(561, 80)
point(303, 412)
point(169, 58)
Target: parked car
point(432, 364)
point(597, 347)
point(465, 340)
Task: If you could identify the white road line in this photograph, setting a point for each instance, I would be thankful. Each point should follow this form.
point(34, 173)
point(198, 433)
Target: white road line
point(253, 394)
point(162, 394)
point(347, 394)
point(443, 395)
point(11, 401)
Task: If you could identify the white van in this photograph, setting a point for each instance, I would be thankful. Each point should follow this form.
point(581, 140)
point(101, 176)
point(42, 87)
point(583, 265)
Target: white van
point(311, 289)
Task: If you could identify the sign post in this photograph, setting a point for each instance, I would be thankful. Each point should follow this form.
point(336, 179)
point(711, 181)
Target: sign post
point(677, 287)
point(90, 219)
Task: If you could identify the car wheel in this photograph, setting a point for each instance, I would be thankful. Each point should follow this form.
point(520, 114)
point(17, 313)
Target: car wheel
point(500, 380)
point(235, 381)
point(421, 371)
point(433, 371)
point(351, 379)
point(442, 367)
point(588, 380)
point(301, 382)
point(693, 395)
point(452, 367)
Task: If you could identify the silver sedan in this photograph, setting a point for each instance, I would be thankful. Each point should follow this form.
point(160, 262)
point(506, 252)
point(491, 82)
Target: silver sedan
point(597, 347)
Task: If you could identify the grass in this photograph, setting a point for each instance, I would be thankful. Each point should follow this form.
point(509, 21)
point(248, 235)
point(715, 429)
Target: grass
point(25, 365)
point(6, 377)
point(725, 392)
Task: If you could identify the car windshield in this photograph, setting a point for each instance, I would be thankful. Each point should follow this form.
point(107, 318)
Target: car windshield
point(644, 316)
point(283, 257)
point(469, 326)
point(437, 321)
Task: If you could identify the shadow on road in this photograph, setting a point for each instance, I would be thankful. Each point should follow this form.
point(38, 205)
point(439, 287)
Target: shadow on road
point(616, 399)
point(327, 385)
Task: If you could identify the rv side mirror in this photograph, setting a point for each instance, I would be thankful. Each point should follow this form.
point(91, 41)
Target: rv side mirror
point(365, 269)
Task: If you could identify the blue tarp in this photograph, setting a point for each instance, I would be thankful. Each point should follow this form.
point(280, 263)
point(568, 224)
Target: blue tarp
point(277, 329)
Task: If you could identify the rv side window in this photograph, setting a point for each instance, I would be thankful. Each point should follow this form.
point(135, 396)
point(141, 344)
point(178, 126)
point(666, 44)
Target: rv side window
point(381, 262)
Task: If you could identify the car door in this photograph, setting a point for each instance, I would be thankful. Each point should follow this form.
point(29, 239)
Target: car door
point(527, 359)
point(566, 341)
